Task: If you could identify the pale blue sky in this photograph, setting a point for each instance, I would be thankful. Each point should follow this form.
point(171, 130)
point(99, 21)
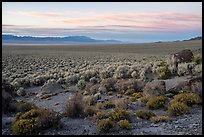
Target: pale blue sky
point(126, 21)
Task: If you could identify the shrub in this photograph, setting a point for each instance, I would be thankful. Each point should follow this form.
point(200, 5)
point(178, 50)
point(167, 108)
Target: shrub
point(109, 105)
point(23, 127)
point(156, 102)
point(101, 115)
point(163, 72)
point(144, 99)
point(188, 98)
point(185, 68)
point(122, 72)
point(105, 125)
point(129, 92)
point(146, 73)
point(81, 84)
point(93, 80)
point(197, 69)
point(119, 95)
point(135, 74)
point(122, 103)
point(124, 124)
point(197, 59)
point(89, 111)
point(137, 95)
point(26, 106)
point(133, 99)
point(108, 83)
point(145, 114)
point(74, 107)
point(110, 93)
point(73, 79)
point(21, 92)
point(119, 114)
point(178, 108)
point(33, 121)
point(157, 119)
point(99, 105)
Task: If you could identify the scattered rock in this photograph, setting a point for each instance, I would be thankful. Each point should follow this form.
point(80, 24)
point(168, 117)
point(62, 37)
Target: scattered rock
point(182, 56)
point(154, 88)
point(50, 88)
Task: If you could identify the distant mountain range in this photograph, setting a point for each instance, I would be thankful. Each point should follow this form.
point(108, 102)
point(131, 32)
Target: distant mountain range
point(68, 39)
point(195, 38)
point(191, 39)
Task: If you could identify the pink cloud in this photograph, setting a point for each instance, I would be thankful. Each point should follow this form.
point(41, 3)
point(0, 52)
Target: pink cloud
point(153, 21)
point(38, 14)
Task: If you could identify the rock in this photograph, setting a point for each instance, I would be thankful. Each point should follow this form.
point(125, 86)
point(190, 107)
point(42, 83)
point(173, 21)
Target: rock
point(182, 56)
point(49, 88)
point(180, 86)
point(196, 85)
point(169, 95)
point(6, 121)
point(155, 88)
point(193, 85)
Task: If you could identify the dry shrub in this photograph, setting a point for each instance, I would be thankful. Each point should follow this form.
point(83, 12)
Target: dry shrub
point(89, 111)
point(101, 115)
point(124, 124)
point(35, 120)
point(108, 83)
point(105, 125)
point(75, 106)
point(122, 103)
point(93, 89)
point(119, 114)
point(145, 114)
point(157, 119)
point(156, 102)
point(178, 108)
point(188, 98)
point(108, 105)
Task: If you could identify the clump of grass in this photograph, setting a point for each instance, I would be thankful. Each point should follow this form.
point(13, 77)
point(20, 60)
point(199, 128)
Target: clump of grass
point(157, 119)
point(99, 105)
point(31, 122)
point(89, 111)
point(188, 98)
point(178, 108)
point(101, 115)
point(137, 95)
point(156, 102)
point(119, 114)
point(124, 124)
point(144, 99)
point(129, 91)
point(109, 105)
point(145, 114)
point(105, 125)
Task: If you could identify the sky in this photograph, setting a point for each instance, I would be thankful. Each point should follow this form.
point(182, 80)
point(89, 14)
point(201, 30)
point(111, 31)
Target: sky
point(126, 21)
